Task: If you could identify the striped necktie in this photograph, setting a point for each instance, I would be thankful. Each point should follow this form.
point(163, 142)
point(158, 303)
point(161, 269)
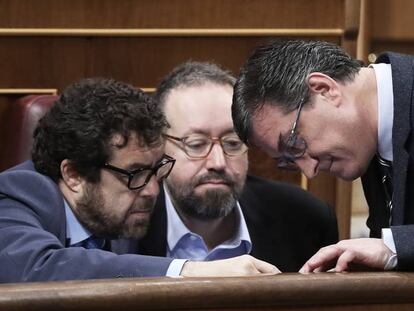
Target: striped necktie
point(386, 180)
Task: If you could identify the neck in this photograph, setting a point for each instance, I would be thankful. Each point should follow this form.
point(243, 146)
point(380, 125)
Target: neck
point(213, 231)
point(365, 90)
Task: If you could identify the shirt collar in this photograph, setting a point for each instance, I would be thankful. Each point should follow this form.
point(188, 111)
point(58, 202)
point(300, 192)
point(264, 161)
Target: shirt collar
point(176, 229)
point(75, 232)
point(385, 109)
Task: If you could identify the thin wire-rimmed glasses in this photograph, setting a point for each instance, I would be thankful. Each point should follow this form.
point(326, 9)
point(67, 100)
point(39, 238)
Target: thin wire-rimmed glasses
point(291, 147)
point(199, 146)
point(139, 178)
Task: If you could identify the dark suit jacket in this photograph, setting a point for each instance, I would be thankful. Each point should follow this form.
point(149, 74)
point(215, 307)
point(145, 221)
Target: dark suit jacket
point(33, 234)
point(403, 164)
point(287, 225)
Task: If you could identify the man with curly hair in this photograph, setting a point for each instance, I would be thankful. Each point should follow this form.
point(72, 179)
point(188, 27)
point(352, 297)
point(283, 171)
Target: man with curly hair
point(97, 158)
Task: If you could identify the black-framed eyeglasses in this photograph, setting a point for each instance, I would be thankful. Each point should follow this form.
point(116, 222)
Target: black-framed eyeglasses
point(139, 178)
point(199, 146)
point(292, 146)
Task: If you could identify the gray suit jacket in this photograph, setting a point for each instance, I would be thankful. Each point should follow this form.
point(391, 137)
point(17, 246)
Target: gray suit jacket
point(403, 166)
point(33, 234)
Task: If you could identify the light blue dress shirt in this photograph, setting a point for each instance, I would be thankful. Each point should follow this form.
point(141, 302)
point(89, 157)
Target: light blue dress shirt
point(75, 232)
point(182, 243)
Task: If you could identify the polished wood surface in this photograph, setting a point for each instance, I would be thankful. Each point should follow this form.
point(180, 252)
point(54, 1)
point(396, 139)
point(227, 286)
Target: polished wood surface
point(323, 291)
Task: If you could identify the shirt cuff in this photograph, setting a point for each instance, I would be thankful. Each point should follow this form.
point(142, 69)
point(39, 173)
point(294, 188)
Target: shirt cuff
point(388, 240)
point(174, 270)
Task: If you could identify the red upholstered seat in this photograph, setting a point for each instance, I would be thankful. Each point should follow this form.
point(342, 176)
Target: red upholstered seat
point(19, 126)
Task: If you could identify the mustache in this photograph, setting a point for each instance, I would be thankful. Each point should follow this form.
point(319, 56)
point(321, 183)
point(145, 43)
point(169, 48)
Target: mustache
point(147, 205)
point(216, 176)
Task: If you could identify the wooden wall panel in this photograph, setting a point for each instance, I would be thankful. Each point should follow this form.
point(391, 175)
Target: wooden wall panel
point(38, 62)
point(171, 13)
point(392, 19)
point(391, 26)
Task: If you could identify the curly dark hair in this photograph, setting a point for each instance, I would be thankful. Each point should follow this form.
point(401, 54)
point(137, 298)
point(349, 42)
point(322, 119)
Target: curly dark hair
point(82, 122)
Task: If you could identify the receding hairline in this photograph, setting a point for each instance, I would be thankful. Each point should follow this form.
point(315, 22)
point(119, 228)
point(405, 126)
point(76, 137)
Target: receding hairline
point(195, 84)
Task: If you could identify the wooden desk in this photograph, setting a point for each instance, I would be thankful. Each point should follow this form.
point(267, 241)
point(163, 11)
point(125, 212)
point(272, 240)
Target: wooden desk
point(324, 291)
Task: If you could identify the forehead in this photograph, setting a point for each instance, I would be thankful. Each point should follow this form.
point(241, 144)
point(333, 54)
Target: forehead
point(205, 107)
point(135, 152)
point(266, 127)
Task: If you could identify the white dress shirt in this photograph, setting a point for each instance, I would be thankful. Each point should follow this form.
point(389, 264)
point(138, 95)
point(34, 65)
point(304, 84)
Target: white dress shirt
point(385, 122)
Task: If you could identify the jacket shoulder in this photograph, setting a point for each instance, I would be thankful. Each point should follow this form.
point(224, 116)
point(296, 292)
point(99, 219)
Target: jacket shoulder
point(22, 189)
point(283, 198)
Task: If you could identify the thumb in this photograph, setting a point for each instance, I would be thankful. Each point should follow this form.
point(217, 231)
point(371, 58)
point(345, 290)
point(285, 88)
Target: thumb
point(265, 267)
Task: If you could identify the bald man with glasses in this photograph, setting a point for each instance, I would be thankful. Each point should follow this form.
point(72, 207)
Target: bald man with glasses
point(209, 208)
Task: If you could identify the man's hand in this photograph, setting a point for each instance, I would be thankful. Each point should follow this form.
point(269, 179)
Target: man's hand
point(238, 266)
point(372, 253)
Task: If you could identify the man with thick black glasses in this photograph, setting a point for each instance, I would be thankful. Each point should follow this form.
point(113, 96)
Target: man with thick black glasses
point(314, 108)
point(209, 208)
point(98, 156)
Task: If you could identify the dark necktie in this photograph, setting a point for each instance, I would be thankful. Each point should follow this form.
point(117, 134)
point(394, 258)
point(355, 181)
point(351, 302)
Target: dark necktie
point(91, 243)
point(386, 180)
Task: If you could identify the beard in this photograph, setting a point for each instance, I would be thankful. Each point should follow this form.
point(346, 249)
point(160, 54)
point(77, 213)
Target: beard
point(212, 204)
point(107, 221)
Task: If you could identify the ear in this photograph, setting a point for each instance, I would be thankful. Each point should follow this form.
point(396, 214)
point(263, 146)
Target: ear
point(70, 176)
point(321, 84)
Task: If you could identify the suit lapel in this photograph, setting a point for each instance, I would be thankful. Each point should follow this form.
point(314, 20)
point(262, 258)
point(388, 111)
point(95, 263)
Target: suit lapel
point(379, 213)
point(402, 79)
point(248, 203)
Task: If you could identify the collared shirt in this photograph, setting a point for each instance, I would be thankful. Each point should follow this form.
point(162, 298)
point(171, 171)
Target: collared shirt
point(385, 109)
point(75, 233)
point(182, 243)
point(385, 95)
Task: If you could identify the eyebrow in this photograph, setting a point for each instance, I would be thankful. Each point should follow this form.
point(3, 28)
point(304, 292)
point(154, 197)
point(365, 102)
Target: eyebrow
point(204, 132)
point(137, 165)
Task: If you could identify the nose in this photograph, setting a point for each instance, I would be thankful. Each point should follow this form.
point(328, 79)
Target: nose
point(151, 189)
point(308, 166)
point(216, 159)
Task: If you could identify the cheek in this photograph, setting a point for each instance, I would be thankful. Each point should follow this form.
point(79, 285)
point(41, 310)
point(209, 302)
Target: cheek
point(117, 203)
point(238, 166)
point(185, 169)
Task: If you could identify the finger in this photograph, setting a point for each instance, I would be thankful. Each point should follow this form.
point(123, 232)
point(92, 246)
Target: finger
point(265, 267)
point(322, 260)
point(344, 260)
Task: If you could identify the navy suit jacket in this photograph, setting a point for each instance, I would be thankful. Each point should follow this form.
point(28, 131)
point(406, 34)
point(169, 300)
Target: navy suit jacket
point(287, 225)
point(33, 236)
point(402, 220)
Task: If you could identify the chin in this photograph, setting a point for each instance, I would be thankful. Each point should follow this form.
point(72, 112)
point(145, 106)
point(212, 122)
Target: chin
point(349, 174)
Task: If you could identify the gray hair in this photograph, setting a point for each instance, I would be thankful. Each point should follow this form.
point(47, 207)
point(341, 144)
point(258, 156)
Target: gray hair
point(193, 73)
point(276, 74)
